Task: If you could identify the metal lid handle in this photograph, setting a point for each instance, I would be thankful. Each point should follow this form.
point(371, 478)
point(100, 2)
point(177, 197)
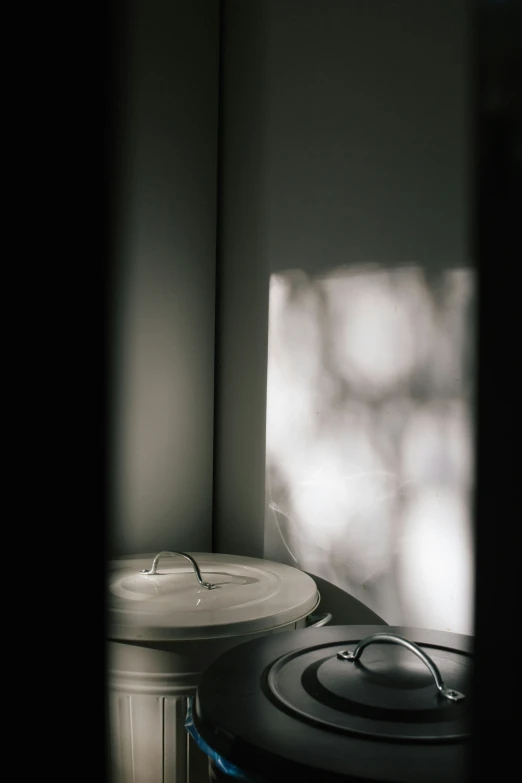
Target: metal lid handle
point(195, 566)
point(319, 620)
point(448, 693)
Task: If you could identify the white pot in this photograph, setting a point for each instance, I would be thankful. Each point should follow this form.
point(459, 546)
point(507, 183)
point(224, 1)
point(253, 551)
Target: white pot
point(165, 627)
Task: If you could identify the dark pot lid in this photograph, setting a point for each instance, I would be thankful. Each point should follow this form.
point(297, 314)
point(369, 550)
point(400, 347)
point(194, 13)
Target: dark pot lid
point(343, 703)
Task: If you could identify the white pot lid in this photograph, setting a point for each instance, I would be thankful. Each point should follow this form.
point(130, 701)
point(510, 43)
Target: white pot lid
point(247, 595)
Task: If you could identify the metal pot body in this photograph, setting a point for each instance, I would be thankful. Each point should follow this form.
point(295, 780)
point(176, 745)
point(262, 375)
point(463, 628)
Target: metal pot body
point(149, 685)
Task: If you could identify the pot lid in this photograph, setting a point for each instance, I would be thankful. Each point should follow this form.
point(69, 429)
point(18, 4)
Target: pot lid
point(199, 595)
point(360, 702)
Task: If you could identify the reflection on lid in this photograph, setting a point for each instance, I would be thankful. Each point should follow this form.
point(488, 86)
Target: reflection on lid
point(140, 587)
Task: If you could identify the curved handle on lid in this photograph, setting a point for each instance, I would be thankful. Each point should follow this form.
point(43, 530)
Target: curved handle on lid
point(195, 566)
point(322, 620)
point(448, 693)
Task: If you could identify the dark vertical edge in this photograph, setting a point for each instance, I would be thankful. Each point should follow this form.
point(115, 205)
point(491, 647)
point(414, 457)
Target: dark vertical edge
point(106, 287)
point(116, 74)
point(496, 729)
point(113, 40)
point(242, 291)
point(109, 97)
point(474, 174)
point(219, 200)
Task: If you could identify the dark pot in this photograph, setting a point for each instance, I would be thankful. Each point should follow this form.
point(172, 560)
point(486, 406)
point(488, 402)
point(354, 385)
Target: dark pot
point(339, 704)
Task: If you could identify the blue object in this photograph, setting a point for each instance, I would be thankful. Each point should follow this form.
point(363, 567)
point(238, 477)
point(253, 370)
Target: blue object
point(221, 763)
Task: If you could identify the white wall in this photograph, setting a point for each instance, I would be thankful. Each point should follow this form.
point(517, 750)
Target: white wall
point(346, 146)
point(163, 339)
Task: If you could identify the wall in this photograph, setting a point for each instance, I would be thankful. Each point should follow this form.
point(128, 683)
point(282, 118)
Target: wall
point(345, 157)
point(164, 287)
